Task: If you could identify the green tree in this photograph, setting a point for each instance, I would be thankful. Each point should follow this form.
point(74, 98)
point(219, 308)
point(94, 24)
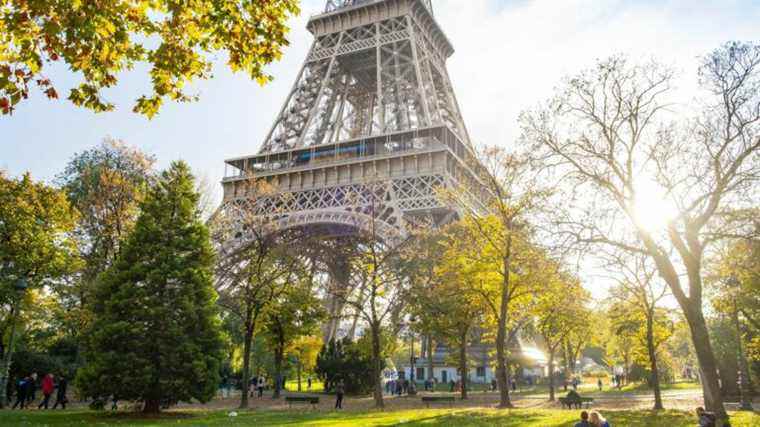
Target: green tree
point(349, 361)
point(295, 313)
point(36, 223)
point(156, 336)
point(176, 40)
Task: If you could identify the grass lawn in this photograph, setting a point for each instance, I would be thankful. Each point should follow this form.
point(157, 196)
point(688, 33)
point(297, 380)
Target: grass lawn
point(432, 417)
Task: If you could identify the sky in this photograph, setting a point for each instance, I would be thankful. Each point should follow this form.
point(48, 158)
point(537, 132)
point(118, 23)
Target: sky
point(510, 54)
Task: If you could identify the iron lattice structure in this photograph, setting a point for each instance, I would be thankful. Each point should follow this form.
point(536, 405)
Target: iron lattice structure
point(369, 138)
point(370, 132)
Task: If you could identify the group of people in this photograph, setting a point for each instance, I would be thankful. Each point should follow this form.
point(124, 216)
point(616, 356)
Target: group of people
point(512, 385)
point(26, 391)
point(398, 387)
point(593, 419)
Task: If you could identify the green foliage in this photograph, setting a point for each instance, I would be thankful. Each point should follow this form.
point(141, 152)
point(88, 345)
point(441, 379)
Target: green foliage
point(293, 314)
point(36, 222)
point(344, 359)
point(101, 40)
point(156, 337)
point(445, 299)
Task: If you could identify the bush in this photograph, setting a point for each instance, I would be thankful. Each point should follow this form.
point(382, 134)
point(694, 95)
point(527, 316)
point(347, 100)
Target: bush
point(344, 359)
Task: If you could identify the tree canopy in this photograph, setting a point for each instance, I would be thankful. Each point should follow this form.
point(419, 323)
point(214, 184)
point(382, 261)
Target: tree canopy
point(99, 41)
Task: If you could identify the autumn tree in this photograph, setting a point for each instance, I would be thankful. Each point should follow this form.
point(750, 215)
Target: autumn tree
point(36, 245)
point(638, 296)
point(106, 185)
point(378, 288)
point(579, 338)
point(736, 280)
point(177, 41)
point(156, 335)
point(611, 140)
point(304, 350)
point(510, 195)
point(253, 270)
point(443, 298)
point(560, 309)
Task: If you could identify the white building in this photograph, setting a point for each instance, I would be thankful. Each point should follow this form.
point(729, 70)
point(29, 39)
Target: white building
point(481, 362)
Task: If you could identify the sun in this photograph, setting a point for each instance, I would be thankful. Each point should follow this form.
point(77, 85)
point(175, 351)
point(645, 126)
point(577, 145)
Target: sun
point(652, 209)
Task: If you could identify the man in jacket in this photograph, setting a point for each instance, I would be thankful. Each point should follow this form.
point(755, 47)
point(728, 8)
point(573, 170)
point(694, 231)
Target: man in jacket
point(21, 390)
point(60, 397)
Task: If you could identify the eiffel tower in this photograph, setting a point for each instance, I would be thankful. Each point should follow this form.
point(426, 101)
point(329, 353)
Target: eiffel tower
point(370, 133)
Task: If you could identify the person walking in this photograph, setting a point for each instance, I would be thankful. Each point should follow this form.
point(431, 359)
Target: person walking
point(22, 387)
point(260, 388)
point(31, 390)
point(48, 387)
point(308, 383)
point(60, 396)
point(599, 383)
point(340, 390)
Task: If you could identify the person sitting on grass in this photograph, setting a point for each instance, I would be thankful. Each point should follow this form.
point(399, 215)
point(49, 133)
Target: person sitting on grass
point(598, 420)
point(584, 420)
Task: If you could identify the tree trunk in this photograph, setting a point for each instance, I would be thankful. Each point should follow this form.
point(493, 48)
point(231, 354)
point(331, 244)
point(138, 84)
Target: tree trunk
point(501, 338)
point(552, 350)
point(567, 352)
point(278, 356)
point(707, 363)
point(298, 374)
point(463, 363)
point(746, 385)
point(246, 379)
point(430, 354)
point(376, 366)
point(653, 362)
point(152, 406)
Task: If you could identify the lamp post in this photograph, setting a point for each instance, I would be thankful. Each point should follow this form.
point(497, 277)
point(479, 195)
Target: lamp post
point(412, 366)
point(20, 287)
point(743, 373)
point(412, 390)
point(745, 404)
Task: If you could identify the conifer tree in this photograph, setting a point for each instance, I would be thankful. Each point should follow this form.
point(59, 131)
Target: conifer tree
point(156, 337)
